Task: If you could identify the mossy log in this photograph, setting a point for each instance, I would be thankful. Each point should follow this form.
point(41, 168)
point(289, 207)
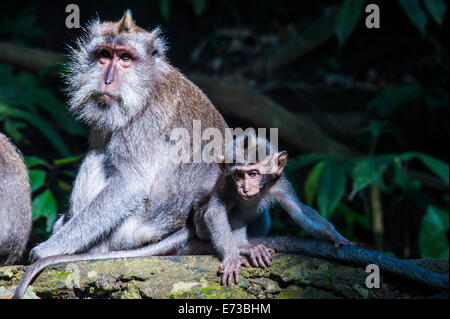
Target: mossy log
point(290, 276)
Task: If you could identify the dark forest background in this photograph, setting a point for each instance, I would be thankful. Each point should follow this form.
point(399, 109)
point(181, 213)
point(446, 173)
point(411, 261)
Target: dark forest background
point(362, 112)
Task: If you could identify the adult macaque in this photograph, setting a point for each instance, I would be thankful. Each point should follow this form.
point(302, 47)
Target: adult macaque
point(221, 216)
point(128, 193)
point(15, 203)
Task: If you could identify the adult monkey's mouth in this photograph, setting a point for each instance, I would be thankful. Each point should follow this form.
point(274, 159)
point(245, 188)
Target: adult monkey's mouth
point(109, 95)
point(106, 97)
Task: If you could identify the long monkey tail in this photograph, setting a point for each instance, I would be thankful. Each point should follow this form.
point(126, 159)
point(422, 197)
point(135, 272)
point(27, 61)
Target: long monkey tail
point(37, 267)
point(167, 245)
point(355, 255)
point(41, 264)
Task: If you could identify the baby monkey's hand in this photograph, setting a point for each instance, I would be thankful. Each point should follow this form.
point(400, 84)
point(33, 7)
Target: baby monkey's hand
point(229, 270)
point(259, 255)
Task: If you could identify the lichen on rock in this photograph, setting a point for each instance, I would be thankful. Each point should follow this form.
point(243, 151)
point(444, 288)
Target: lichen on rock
point(290, 276)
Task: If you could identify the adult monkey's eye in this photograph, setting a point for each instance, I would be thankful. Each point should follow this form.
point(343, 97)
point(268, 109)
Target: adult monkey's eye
point(104, 54)
point(125, 57)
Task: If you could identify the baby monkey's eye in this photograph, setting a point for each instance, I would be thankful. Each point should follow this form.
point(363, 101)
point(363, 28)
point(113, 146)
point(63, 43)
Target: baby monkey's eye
point(253, 174)
point(104, 54)
point(125, 57)
point(238, 175)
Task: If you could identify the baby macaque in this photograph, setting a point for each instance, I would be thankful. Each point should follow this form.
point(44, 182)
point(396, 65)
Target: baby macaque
point(252, 180)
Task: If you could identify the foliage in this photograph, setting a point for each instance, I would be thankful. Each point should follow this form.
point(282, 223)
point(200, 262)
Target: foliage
point(23, 101)
point(27, 105)
point(347, 18)
point(22, 28)
point(433, 239)
point(326, 181)
point(198, 6)
point(48, 182)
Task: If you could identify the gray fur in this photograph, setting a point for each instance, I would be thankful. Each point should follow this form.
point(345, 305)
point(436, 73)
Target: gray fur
point(15, 203)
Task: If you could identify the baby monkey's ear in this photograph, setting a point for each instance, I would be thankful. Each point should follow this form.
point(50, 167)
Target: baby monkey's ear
point(281, 161)
point(274, 164)
point(220, 160)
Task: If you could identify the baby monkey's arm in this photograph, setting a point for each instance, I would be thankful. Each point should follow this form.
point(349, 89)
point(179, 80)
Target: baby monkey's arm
point(305, 216)
point(215, 218)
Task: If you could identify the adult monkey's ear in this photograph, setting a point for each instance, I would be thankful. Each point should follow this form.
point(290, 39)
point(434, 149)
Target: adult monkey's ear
point(281, 159)
point(220, 160)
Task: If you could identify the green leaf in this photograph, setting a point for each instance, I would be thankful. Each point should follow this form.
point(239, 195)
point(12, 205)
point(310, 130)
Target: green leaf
point(27, 93)
point(436, 166)
point(433, 240)
point(37, 178)
point(415, 13)
point(45, 100)
point(312, 182)
point(69, 160)
point(368, 171)
point(347, 17)
point(34, 160)
point(391, 98)
point(12, 128)
point(443, 215)
point(331, 188)
point(199, 6)
point(164, 8)
point(40, 124)
point(6, 75)
point(408, 156)
point(436, 8)
point(400, 177)
point(44, 205)
point(364, 174)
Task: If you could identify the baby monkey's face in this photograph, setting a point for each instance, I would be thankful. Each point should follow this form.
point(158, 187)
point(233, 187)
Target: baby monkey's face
point(253, 178)
point(247, 180)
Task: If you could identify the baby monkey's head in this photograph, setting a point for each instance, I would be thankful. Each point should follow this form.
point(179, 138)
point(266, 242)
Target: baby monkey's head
point(252, 164)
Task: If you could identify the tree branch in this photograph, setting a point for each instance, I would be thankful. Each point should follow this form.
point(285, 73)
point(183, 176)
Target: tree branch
point(28, 58)
point(319, 32)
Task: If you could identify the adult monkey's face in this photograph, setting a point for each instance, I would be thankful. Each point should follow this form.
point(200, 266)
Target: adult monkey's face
point(113, 70)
